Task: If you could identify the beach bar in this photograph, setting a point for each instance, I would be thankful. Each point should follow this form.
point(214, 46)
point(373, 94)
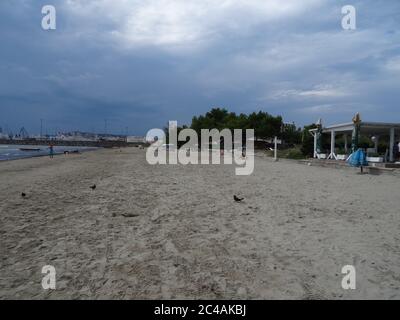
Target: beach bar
point(375, 130)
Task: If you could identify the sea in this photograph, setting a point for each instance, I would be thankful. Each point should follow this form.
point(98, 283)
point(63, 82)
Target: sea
point(13, 152)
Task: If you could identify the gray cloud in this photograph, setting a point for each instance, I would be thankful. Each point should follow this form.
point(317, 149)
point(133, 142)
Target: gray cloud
point(142, 63)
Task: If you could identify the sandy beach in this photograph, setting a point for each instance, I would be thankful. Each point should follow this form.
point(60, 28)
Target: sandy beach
point(174, 232)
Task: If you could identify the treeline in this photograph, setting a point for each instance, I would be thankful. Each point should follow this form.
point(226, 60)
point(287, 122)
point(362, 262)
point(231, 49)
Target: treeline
point(265, 125)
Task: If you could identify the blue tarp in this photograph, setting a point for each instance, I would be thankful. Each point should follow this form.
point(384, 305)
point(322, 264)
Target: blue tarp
point(358, 159)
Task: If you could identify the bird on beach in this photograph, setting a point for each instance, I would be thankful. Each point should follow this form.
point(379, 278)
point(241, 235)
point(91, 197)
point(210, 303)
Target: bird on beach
point(93, 187)
point(130, 215)
point(237, 199)
point(23, 194)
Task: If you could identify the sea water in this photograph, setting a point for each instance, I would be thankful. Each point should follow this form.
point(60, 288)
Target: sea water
point(13, 152)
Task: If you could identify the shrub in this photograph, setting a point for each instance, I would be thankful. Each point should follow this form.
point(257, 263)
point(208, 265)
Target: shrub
point(295, 154)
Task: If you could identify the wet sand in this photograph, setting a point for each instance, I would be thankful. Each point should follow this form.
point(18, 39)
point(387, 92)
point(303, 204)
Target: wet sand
point(185, 237)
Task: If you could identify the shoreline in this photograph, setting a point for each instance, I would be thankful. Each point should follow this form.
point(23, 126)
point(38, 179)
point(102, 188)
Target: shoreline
point(60, 150)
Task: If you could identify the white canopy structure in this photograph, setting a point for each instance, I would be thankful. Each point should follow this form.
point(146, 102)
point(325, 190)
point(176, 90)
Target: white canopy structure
point(375, 129)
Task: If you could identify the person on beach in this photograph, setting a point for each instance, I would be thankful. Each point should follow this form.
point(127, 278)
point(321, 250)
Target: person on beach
point(51, 151)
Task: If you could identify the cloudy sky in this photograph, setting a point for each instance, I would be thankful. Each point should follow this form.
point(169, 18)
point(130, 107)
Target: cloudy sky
point(140, 63)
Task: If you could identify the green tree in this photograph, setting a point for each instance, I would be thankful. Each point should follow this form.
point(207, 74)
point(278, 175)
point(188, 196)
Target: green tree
point(291, 134)
point(265, 125)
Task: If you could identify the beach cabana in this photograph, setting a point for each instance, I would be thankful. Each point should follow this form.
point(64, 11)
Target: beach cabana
point(351, 130)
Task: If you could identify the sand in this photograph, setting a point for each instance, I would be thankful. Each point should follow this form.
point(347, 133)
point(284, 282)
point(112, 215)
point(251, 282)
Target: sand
point(185, 237)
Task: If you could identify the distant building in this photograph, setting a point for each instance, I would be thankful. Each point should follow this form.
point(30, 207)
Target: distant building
point(77, 136)
point(135, 139)
point(4, 136)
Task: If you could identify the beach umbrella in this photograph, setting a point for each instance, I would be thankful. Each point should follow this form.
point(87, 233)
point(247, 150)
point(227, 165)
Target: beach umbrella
point(356, 132)
point(358, 159)
point(319, 136)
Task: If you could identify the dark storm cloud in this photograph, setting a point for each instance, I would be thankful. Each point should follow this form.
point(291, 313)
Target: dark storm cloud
point(139, 64)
